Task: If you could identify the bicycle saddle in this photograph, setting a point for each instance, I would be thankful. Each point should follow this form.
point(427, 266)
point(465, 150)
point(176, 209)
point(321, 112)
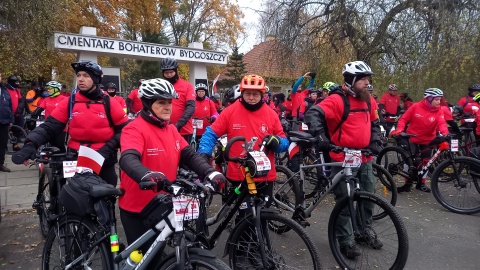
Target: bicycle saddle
point(406, 135)
point(299, 136)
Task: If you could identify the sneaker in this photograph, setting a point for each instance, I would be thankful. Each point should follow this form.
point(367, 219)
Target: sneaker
point(350, 251)
point(370, 240)
point(424, 188)
point(4, 169)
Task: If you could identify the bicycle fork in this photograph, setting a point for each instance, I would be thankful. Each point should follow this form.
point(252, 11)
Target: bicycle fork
point(352, 182)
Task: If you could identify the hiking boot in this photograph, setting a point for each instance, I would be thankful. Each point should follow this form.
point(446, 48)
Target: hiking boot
point(370, 240)
point(350, 251)
point(4, 169)
point(424, 188)
point(405, 188)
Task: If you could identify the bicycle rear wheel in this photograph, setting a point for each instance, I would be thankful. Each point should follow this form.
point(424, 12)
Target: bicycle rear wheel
point(69, 239)
point(397, 163)
point(385, 187)
point(390, 230)
point(458, 193)
point(291, 250)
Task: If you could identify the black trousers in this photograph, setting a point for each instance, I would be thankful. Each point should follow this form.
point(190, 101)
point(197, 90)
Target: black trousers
point(3, 141)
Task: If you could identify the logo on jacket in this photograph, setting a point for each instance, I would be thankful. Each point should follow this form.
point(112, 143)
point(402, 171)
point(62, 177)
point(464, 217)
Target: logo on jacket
point(205, 108)
point(418, 115)
point(263, 128)
point(432, 119)
point(177, 145)
point(102, 115)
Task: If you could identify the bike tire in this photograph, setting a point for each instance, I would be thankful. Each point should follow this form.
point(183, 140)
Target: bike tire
point(385, 187)
point(312, 177)
point(291, 250)
point(394, 252)
point(396, 161)
point(44, 200)
point(195, 261)
point(16, 135)
point(71, 237)
point(461, 198)
point(286, 192)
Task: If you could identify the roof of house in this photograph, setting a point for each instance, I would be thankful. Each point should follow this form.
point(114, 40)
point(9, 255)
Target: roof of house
point(266, 60)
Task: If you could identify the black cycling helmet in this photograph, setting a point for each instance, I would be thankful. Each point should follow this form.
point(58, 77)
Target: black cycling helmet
point(111, 85)
point(93, 69)
point(457, 109)
point(168, 63)
point(232, 94)
point(13, 81)
point(474, 87)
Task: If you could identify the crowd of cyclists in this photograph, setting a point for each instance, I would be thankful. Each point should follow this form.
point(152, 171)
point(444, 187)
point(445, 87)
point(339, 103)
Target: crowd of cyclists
point(154, 126)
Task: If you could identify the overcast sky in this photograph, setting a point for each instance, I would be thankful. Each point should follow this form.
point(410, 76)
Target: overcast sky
point(249, 21)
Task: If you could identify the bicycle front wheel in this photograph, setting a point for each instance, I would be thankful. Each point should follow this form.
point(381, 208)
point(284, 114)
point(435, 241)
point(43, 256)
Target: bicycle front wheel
point(385, 187)
point(286, 195)
point(396, 162)
point(455, 185)
point(291, 250)
point(71, 238)
point(382, 244)
point(43, 204)
point(195, 262)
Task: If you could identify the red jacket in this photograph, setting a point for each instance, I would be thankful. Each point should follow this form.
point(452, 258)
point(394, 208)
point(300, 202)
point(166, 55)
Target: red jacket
point(185, 92)
point(15, 95)
point(159, 150)
point(89, 125)
point(356, 130)
point(137, 103)
point(203, 109)
point(50, 103)
point(407, 104)
point(298, 102)
point(424, 121)
point(235, 120)
point(465, 100)
point(391, 104)
point(121, 101)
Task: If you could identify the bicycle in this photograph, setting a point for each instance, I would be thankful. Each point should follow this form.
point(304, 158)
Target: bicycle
point(52, 177)
point(385, 222)
point(82, 242)
point(254, 241)
point(197, 123)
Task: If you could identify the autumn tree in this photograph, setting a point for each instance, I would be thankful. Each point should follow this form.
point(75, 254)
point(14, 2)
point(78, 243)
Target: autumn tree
point(235, 66)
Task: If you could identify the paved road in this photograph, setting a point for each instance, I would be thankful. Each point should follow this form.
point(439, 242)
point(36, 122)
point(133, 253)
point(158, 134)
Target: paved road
point(438, 239)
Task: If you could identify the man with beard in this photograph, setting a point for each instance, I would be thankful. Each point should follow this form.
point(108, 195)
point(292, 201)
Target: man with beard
point(359, 130)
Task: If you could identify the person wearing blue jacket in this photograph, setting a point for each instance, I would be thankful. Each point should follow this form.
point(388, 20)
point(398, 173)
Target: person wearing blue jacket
point(6, 120)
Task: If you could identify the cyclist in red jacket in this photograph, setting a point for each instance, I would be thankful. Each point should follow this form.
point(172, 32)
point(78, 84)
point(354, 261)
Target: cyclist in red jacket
point(152, 150)
point(88, 121)
point(112, 91)
point(134, 104)
point(424, 119)
point(390, 106)
point(204, 109)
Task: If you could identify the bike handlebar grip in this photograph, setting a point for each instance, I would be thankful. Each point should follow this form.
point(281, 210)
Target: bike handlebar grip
point(229, 145)
point(147, 185)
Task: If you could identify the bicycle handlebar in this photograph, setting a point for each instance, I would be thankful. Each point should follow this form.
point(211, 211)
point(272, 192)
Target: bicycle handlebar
point(180, 186)
point(234, 140)
point(338, 149)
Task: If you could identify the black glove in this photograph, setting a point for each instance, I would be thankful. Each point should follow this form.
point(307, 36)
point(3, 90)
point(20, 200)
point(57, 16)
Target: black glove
point(211, 120)
point(272, 142)
point(375, 147)
point(162, 182)
point(27, 152)
point(312, 75)
point(323, 143)
point(217, 179)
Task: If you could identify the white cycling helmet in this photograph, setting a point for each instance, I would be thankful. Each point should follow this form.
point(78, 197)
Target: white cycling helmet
point(357, 68)
point(157, 89)
point(433, 92)
point(201, 86)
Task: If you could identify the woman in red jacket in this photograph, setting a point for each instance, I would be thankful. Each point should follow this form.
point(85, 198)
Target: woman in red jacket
point(205, 111)
point(424, 119)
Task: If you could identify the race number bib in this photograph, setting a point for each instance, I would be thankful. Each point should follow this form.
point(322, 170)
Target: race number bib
point(185, 207)
point(69, 168)
point(224, 141)
point(304, 126)
point(454, 145)
point(198, 123)
point(261, 161)
point(353, 159)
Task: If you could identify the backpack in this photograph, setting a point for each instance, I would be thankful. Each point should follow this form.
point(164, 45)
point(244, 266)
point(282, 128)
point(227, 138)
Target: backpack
point(105, 102)
point(346, 109)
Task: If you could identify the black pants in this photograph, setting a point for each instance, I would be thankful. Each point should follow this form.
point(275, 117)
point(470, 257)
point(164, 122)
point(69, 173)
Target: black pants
point(108, 174)
point(3, 141)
